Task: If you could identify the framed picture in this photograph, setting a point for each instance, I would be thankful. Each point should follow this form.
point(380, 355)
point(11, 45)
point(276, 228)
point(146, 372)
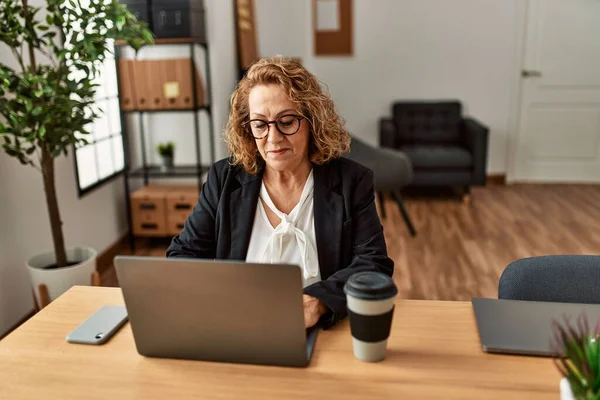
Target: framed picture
point(245, 25)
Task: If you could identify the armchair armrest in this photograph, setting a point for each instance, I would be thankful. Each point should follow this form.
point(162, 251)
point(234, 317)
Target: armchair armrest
point(387, 133)
point(476, 140)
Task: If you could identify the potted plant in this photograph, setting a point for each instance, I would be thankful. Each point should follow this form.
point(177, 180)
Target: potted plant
point(578, 359)
point(166, 152)
point(46, 107)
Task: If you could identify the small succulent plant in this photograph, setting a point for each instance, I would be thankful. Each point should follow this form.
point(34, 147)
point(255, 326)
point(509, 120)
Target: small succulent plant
point(578, 359)
point(166, 149)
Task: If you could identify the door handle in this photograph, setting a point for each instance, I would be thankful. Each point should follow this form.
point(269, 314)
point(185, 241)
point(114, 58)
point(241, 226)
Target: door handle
point(531, 74)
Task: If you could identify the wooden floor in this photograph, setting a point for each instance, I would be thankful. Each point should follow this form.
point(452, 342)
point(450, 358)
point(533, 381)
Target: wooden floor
point(461, 249)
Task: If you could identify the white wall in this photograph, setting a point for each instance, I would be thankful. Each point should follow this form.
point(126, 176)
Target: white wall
point(223, 67)
point(282, 27)
point(409, 49)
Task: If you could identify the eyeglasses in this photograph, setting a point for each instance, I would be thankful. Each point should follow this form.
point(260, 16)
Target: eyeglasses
point(288, 125)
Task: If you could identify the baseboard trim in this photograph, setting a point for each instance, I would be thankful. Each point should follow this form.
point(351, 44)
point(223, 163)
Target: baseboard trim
point(18, 324)
point(496, 179)
point(105, 259)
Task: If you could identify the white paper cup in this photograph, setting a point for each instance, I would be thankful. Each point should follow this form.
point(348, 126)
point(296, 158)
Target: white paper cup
point(370, 297)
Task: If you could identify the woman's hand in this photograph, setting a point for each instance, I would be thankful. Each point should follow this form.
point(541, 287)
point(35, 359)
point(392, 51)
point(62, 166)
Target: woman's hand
point(313, 309)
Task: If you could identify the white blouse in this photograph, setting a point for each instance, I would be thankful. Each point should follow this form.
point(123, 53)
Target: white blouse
point(293, 241)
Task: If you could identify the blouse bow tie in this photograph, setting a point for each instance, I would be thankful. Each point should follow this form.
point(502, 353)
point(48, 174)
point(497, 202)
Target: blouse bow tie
point(287, 228)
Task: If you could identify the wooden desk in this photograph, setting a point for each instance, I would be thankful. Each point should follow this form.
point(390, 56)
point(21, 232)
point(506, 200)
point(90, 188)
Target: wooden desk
point(434, 352)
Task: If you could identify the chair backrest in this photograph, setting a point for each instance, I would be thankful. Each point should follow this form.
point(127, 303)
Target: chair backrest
point(427, 122)
point(392, 169)
point(561, 279)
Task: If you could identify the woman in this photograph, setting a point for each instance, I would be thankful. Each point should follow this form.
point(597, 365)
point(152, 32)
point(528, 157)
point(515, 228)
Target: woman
point(285, 195)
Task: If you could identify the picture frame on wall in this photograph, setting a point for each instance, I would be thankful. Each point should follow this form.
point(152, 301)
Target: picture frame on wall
point(246, 34)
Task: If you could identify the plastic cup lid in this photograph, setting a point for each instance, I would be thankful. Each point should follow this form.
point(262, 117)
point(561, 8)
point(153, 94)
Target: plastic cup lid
point(370, 286)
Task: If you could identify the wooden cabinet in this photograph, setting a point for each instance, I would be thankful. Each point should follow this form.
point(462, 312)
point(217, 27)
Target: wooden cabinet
point(148, 213)
point(161, 210)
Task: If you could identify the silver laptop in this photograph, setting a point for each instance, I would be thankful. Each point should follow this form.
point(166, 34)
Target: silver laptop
point(224, 311)
point(525, 327)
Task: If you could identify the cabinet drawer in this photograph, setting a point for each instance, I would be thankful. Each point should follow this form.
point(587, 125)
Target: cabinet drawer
point(148, 205)
point(175, 223)
point(148, 214)
point(178, 203)
point(148, 224)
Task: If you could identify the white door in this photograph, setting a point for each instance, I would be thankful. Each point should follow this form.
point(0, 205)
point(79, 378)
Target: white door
point(559, 124)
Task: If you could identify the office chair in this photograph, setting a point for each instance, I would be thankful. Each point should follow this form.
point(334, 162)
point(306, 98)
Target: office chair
point(392, 171)
point(561, 279)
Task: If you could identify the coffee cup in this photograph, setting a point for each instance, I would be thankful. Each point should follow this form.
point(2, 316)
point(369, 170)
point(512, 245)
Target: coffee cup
point(370, 298)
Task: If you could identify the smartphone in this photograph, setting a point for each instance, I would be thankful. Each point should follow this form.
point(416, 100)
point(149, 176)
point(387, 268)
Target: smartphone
point(98, 328)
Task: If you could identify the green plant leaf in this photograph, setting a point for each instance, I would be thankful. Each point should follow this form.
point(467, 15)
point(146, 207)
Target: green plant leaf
point(581, 361)
point(11, 152)
point(50, 35)
point(120, 22)
point(56, 152)
point(147, 35)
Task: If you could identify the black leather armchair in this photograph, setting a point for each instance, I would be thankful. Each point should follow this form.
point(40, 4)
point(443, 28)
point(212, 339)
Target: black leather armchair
point(444, 147)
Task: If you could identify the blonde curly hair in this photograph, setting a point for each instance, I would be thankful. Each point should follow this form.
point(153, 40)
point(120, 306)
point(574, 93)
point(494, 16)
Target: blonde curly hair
point(329, 138)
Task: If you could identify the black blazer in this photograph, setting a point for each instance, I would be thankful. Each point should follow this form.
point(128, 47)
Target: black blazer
point(348, 232)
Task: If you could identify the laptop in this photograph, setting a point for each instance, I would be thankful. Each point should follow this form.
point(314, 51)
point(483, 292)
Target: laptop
point(225, 311)
point(525, 327)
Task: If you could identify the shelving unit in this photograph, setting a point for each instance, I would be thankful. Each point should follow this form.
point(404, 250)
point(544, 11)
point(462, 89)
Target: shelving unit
point(148, 171)
point(179, 171)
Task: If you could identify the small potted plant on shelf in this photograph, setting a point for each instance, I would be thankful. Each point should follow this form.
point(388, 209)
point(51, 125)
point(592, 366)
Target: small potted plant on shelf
point(579, 359)
point(166, 152)
point(46, 105)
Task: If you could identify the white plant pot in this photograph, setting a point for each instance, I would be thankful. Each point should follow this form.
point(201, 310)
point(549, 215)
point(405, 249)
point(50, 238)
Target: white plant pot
point(59, 280)
point(565, 390)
